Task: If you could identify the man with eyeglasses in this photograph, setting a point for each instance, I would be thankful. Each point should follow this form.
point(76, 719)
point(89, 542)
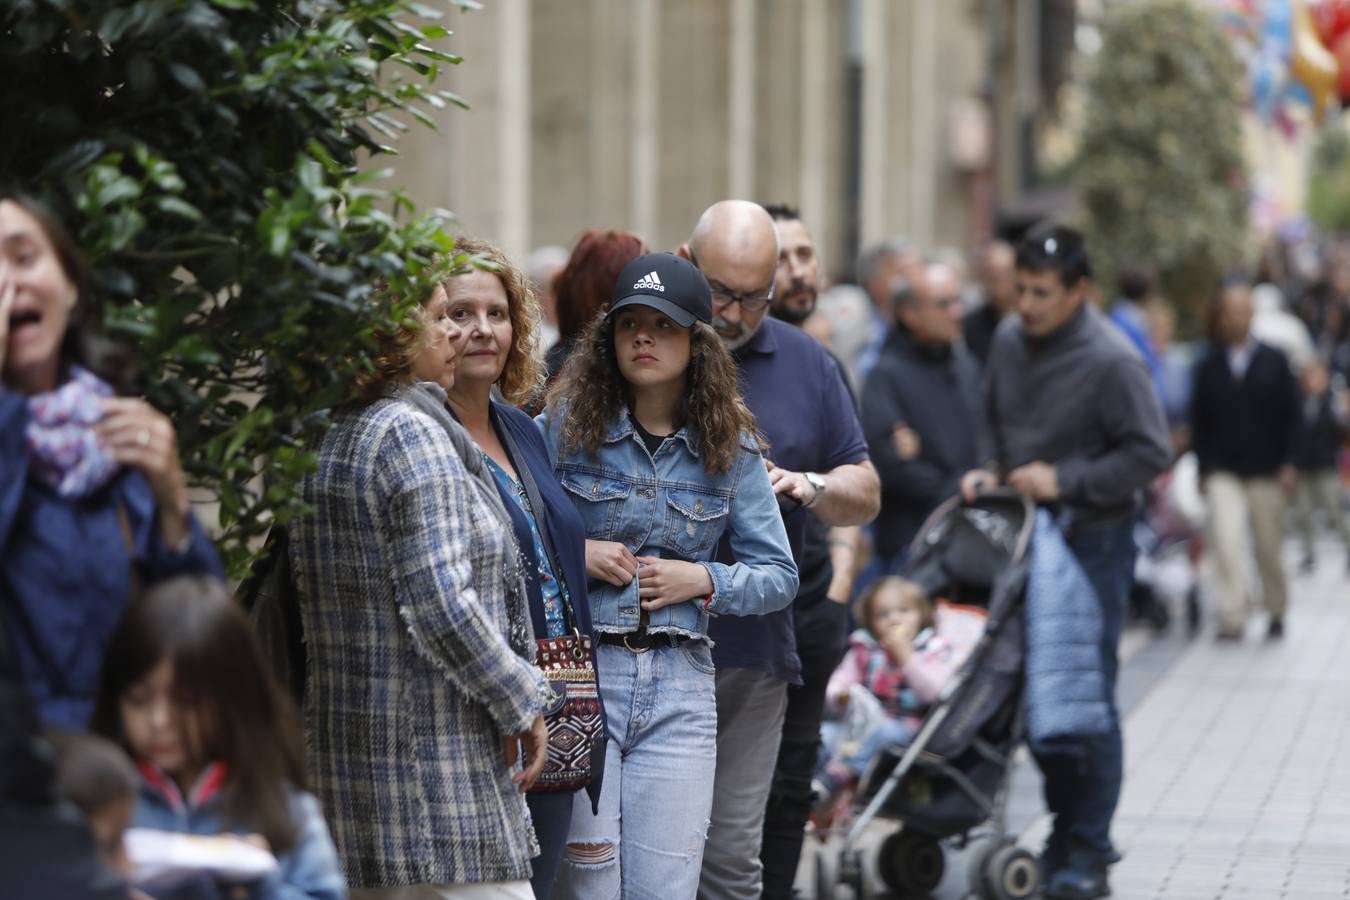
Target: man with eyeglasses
point(920, 411)
point(817, 460)
point(1073, 422)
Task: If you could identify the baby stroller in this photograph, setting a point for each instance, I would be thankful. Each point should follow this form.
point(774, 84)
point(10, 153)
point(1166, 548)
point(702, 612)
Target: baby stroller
point(952, 778)
point(1170, 540)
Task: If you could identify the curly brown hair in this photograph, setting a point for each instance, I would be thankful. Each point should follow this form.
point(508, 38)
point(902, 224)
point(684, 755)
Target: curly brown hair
point(392, 362)
point(594, 394)
point(524, 374)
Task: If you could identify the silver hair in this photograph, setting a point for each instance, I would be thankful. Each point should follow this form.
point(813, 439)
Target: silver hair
point(871, 258)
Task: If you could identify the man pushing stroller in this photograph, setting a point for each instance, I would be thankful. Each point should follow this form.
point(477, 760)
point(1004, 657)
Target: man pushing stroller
point(1073, 422)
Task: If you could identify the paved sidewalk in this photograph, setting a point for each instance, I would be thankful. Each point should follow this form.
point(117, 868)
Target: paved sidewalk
point(1237, 779)
point(1238, 762)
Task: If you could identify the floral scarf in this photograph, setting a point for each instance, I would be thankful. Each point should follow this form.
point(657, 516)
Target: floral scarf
point(63, 451)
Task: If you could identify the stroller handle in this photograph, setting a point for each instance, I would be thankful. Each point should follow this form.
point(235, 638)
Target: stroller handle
point(999, 495)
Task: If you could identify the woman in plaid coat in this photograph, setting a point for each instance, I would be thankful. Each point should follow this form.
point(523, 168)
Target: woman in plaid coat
point(420, 684)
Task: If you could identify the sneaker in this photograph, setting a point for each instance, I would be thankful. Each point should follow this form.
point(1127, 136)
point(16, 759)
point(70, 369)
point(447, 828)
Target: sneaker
point(1308, 565)
point(1228, 635)
point(1275, 630)
point(1078, 884)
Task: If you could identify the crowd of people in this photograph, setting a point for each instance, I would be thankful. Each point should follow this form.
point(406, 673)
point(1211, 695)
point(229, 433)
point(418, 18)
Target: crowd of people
point(576, 591)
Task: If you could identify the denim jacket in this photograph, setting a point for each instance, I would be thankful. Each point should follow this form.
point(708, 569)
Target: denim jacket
point(670, 506)
point(308, 871)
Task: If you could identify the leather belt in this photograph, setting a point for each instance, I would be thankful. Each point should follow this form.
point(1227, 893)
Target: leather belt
point(641, 642)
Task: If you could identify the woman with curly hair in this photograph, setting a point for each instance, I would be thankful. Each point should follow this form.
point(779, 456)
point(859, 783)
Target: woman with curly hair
point(420, 686)
point(499, 322)
point(648, 435)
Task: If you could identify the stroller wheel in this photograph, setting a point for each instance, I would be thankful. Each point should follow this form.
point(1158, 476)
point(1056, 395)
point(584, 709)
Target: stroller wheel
point(851, 873)
point(911, 863)
point(827, 874)
point(1005, 871)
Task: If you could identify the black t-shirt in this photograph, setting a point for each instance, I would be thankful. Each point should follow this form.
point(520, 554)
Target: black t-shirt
point(653, 441)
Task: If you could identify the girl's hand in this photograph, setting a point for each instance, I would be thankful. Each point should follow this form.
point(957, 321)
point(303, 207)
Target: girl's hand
point(610, 561)
point(7, 292)
point(899, 642)
point(138, 435)
point(663, 582)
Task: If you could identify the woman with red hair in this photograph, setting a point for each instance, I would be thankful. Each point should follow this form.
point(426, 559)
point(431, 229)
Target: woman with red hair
point(585, 284)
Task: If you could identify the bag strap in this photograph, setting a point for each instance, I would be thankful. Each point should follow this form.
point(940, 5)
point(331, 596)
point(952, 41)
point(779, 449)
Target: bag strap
point(537, 507)
point(124, 526)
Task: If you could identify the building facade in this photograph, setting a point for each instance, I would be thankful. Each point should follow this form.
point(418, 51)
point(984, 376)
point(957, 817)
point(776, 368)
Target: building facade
point(878, 118)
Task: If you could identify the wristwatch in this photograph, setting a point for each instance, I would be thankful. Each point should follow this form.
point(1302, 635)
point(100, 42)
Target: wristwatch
point(817, 481)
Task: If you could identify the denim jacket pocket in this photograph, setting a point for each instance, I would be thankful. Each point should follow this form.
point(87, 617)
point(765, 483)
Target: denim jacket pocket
point(602, 500)
point(694, 521)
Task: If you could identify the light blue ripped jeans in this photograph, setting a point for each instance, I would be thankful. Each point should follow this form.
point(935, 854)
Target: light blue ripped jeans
point(647, 841)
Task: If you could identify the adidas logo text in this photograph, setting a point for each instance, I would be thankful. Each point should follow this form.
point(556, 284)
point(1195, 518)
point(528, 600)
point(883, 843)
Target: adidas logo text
point(650, 282)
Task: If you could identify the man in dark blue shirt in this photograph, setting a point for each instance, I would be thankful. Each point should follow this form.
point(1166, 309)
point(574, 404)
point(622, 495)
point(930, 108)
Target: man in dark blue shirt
point(818, 461)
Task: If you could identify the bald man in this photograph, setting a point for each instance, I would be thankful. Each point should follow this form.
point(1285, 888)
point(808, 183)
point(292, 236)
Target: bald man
point(817, 461)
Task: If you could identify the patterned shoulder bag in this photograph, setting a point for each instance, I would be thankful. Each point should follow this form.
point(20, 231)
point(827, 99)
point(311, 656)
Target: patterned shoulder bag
point(575, 718)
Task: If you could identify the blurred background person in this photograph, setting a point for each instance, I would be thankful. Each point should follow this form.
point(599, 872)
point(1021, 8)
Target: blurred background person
point(1136, 295)
point(881, 272)
point(93, 500)
point(920, 412)
point(188, 694)
point(583, 287)
point(998, 296)
point(542, 267)
point(1324, 414)
point(1244, 412)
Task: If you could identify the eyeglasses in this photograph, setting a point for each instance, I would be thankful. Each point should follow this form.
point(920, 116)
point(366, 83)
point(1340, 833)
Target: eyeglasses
point(722, 297)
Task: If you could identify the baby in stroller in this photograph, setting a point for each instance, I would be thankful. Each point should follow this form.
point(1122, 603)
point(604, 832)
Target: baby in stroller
point(897, 665)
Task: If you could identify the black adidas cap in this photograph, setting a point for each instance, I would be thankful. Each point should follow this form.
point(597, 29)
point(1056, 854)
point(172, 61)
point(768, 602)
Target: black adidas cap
point(667, 283)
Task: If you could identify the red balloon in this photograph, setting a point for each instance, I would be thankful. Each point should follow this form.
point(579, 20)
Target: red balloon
point(1332, 18)
point(1342, 53)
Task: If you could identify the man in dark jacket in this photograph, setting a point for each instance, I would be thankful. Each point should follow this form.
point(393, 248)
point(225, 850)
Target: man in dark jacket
point(920, 409)
point(1244, 412)
point(1323, 417)
point(1072, 421)
point(998, 287)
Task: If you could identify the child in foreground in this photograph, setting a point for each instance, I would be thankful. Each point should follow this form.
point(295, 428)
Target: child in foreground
point(97, 777)
point(186, 693)
point(896, 667)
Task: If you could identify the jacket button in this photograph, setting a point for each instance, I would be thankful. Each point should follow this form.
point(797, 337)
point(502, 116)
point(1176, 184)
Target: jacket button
point(698, 506)
point(595, 488)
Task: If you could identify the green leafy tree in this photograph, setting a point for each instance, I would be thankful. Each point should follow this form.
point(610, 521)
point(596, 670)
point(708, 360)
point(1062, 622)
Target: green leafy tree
point(1160, 168)
point(206, 154)
point(1329, 181)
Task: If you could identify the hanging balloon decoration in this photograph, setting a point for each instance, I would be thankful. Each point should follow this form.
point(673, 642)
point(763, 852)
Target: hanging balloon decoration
point(1312, 64)
point(1297, 54)
point(1332, 19)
